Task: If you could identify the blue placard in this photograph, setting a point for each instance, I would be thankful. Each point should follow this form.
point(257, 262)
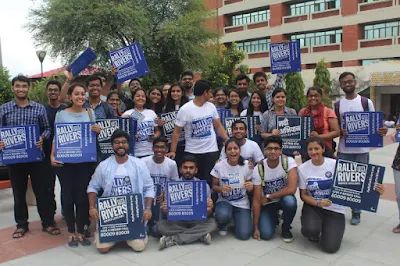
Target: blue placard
point(120, 218)
point(107, 128)
point(169, 126)
point(363, 129)
point(354, 185)
point(294, 130)
point(87, 57)
point(130, 62)
point(285, 57)
point(223, 113)
point(186, 200)
point(20, 144)
point(75, 142)
point(156, 207)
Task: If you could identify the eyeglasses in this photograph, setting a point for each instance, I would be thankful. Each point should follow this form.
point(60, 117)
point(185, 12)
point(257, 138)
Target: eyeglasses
point(273, 148)
point(118, 142)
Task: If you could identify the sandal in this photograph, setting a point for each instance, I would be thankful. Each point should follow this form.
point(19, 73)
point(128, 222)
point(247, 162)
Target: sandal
point(396, 229)
point(52, 230)
point(83, 241)
point(72, 242)
point(20, 232)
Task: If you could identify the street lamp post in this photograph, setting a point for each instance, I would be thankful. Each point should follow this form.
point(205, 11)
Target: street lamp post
point(41, 55)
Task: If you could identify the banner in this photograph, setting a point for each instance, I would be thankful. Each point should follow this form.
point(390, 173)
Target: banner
point(285, 57)
point(363, 129)
point(186, 200)
point(19, 144)
point(354, 185)
point(169, 125)
point(294, 131)
point(120, 218)
point(130, 62)
point(107, 128)
point(75, 142)
point(87, 57)
point(250, 121)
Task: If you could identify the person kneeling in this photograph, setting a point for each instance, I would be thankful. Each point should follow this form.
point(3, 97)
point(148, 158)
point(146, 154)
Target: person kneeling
point(121, 174)
point(186, 232)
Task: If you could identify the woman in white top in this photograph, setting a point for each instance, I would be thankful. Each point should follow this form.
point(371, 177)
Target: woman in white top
point(232, 178)
point(257, 106)
point(321, 220)
point(147, 128)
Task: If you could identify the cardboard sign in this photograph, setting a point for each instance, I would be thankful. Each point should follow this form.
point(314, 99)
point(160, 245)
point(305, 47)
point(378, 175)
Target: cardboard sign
point(294, 131)
point(363, 129)
point(285, 58)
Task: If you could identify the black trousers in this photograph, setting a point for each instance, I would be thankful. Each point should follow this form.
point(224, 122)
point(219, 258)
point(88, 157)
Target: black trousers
point(41, 185)
point(205, 163)
point(74, 179)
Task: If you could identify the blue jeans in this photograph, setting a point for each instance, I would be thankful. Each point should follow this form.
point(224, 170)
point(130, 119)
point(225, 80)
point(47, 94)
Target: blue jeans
point(224, 212)
point(269, 216)
point(355, 157)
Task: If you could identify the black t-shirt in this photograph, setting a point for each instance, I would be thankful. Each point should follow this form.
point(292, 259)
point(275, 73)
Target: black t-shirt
point(51, 115)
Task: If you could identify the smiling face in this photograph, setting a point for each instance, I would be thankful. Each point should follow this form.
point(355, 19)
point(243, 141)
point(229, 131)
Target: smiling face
point(187, 82)
point(94, 88)
point(155, 96)
point(53, 92)
point(176, 93)
point(314, 98)
point(239, 131)
point(20, 90)
point(280, 99)
point(272, 151)
point(348, 84)
point(114, 101)
point(232, 151)
point(256, 101)
point(234, 98)
point(134, 85)
point(120, 146)
point(261, 83)
point(242, 85)
point(77, 96)
point(139, 99)
point(160, 149)
point(315, 151)
point(220, 98)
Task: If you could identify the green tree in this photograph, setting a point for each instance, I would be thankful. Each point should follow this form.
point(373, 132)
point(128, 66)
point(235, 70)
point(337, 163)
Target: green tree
point(6, 94)
point(37, 92)
point(323, 80)
point(173, 33)
point(224, 63)
point(295, 91)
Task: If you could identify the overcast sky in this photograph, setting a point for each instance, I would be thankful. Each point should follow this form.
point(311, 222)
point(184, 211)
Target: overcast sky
point(18, 50)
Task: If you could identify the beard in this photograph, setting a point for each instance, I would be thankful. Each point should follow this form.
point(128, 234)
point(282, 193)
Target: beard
point(188, 176)
point(120, 154)
point(349, 90)
point(242, 94)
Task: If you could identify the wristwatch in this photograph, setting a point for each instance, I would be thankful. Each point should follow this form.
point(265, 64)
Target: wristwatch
point(268, 198)
point(147, 208)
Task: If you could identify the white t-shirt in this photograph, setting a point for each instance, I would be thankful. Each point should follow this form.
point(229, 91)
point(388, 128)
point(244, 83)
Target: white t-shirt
point(318, 181)
point(199, 129)
point(275, 178)
point(249, 151)
point(161, 172)
point(235, 176)
point(122, 183)
point(352, 106)
point(143, 145)
point(255, 113)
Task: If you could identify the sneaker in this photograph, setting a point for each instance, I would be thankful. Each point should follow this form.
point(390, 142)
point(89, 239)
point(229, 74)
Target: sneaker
point(315, 240)
point(166, 241)
point(223, 230)
point(207, 239)
point(287, 236)
point(355, 219)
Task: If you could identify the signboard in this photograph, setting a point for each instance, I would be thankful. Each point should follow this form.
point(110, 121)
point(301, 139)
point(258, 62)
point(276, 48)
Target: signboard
point(120, 218)
point(169, 125)
point(75, 142)
point(354, 185)
point(363, 129)
point(186, 200)
point(87, 57)
point(294, 131)
point(285, 57)
point(19, 144)
point(130, 62)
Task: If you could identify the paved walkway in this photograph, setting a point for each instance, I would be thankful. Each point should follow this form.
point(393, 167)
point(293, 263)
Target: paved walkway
point(370, 243)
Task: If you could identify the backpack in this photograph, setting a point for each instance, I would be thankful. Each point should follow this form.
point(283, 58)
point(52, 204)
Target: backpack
point(284, 161)
point(107, 110)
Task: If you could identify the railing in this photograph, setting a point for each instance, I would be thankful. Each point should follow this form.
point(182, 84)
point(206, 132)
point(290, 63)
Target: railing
point(377, 4)
point(365, 43)
point(246, 27)
point(311, 16)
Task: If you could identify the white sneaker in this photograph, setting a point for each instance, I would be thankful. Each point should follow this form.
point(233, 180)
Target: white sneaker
point(207, 239)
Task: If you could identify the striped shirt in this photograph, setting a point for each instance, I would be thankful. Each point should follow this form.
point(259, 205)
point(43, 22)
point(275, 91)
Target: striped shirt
point(11, 114)
point(277, 84)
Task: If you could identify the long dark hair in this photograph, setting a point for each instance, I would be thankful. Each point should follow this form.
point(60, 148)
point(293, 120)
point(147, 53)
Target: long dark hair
point(241, 160)
point(156, 107)
point(71, 90)
point(170, 103)
point(327, 153)
point(263, 105)
point(240, 105)
point(145, 106)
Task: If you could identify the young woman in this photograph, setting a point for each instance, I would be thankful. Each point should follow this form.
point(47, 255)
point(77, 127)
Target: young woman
point(147, 128)
point(326, 125)
point(114, 100)
point(396, 174)
point(74, 177)
point(234, 103)
point(155, 101)
point(321, 220)
point(257, 105)
point(220, 97)
point(232, 178)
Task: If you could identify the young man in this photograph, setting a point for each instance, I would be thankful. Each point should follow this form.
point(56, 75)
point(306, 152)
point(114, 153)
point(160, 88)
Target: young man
point(242, 84)
point(199, 118)
point(187, 84)
point(249, 149)
point(278, 175)
point(186, 232)
point(22, 111)
point(134, 84)
point(352, 102)
point(261, 82)
point(118, 175)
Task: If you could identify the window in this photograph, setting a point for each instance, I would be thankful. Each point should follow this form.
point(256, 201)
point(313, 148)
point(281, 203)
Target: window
point(313, 6)
point(247, 18)
point(366, 62)
point(381, 30)
point(254, 46)
point(318, 38)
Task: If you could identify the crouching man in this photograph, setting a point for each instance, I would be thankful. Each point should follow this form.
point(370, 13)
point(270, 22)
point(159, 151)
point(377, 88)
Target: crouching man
point(185, 232)
point(121, 174)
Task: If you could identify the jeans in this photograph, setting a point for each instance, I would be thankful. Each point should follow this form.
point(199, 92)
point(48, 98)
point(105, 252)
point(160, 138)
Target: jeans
point(205, 163)
point(396, 175)
point(224, 212)
point(355, 157)
point(328, 226)
point(269, 216)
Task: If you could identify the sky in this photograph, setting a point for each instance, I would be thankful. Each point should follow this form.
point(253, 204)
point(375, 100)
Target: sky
point(17, 46)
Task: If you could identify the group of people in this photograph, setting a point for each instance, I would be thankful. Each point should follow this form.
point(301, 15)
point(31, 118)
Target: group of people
point(249, 183)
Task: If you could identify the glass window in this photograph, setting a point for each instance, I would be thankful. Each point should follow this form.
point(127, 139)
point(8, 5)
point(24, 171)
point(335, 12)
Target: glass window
point(381, 30)
point(308, 7)
point(254, 46)
point(253, 17)
point(318, 38)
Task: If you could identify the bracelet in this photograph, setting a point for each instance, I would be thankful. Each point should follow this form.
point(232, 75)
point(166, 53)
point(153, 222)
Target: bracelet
point(318, 202)
point(255, 229)
point(91, 208)
point(147, 208)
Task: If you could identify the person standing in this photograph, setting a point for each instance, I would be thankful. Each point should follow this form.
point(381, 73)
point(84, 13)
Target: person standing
point(187, 84)
point(22, 111)
point(261, 82)
point(242, 85)
point(396, 175)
